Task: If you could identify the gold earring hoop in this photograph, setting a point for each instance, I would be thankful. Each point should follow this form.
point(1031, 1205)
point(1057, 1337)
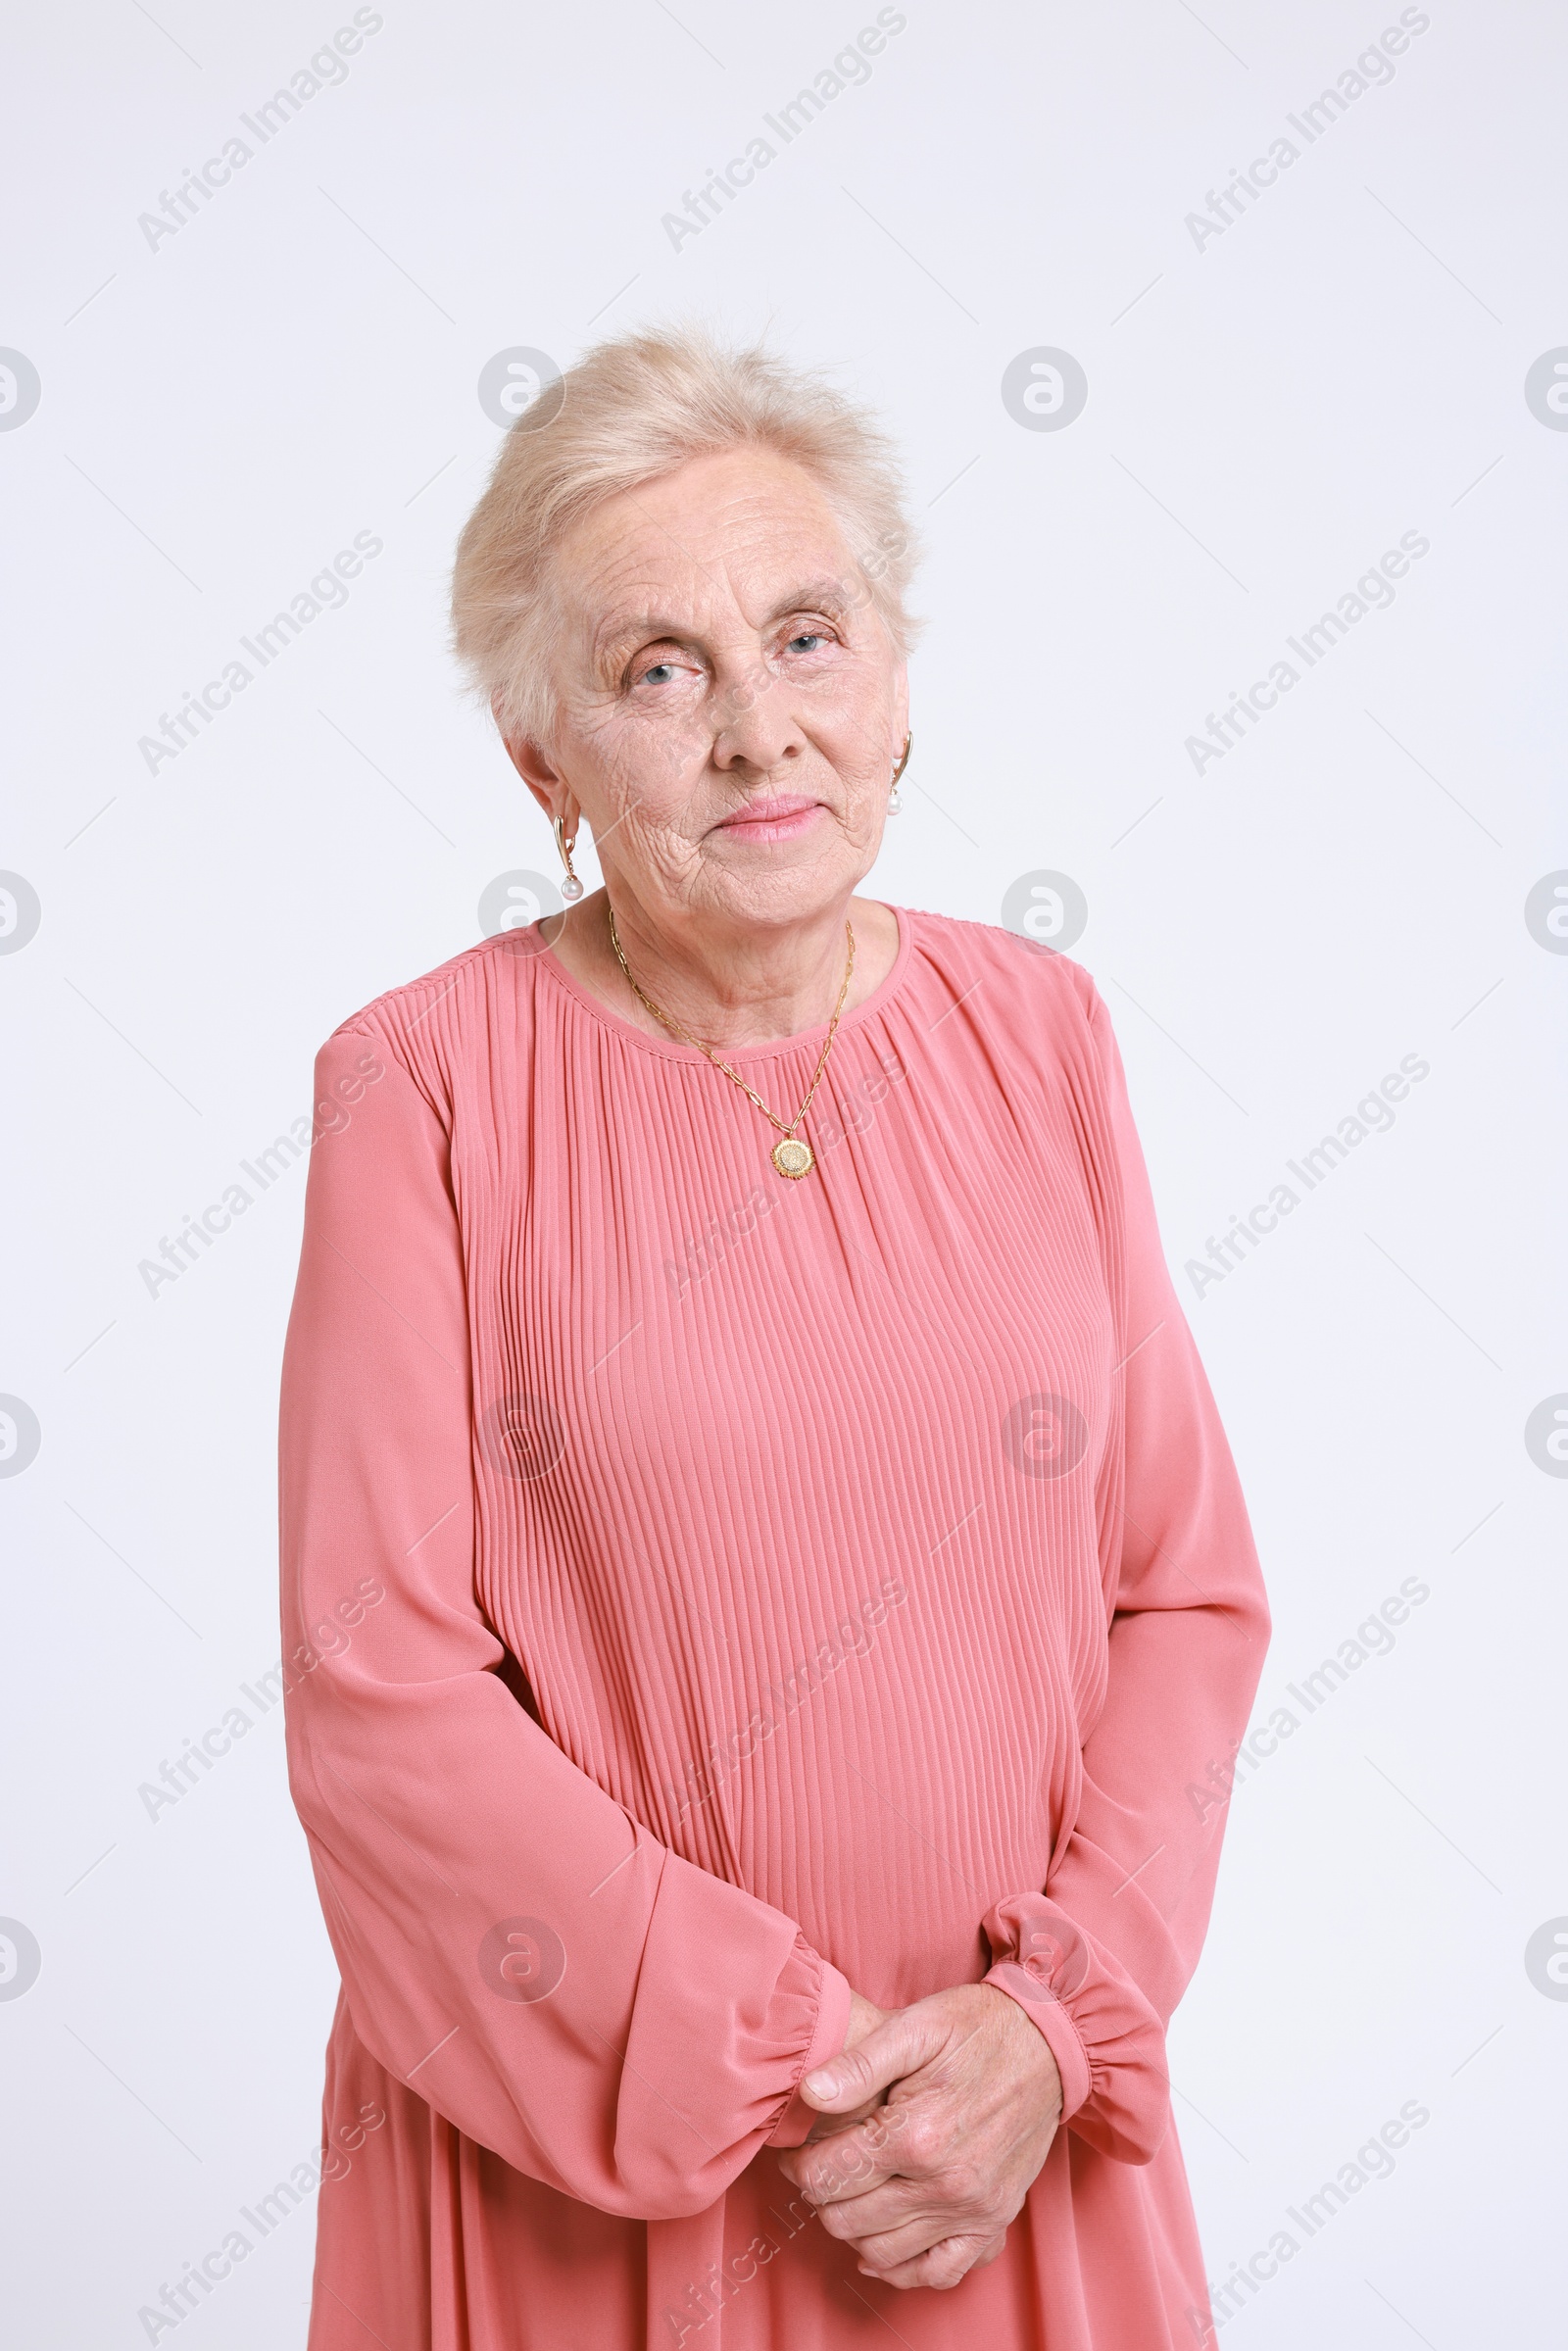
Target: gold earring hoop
point(570, 888)
point(894, 802)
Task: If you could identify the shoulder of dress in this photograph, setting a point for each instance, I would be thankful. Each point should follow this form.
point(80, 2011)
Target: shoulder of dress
point(1032, 973)
point(395, 1015)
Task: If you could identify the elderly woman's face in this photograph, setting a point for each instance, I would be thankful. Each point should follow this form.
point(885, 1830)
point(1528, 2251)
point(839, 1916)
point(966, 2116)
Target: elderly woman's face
point(730, 706)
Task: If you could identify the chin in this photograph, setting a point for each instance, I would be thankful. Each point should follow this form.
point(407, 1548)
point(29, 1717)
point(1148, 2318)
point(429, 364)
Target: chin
point(787, 895)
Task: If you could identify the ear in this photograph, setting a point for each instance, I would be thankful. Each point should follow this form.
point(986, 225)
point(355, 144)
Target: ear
point(543, 780)
point(901, 708)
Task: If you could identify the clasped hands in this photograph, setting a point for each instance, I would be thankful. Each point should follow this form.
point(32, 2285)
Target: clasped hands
point(935, 2121)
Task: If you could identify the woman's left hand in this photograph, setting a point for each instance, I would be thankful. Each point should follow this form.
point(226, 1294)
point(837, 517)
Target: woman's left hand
point(924, 2188)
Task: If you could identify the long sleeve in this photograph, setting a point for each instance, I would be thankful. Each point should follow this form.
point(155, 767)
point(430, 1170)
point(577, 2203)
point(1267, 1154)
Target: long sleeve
point(1101, 1956)
point(609, 2018)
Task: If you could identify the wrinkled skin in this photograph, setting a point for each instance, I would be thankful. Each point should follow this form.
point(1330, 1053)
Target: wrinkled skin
point(717, 657)
point(936, 2121)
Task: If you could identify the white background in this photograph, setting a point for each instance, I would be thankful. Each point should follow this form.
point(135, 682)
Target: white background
point(1266, 414)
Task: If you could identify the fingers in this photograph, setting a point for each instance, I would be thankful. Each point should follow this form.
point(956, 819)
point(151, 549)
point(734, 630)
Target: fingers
point(864, 2018)
point(924, 2188)
point(917, 2137)
point(882, 2187)
point(849, 2160)
point(941, 2266)
point(829, 2125)
point(899, 2209)
point(901, 2044)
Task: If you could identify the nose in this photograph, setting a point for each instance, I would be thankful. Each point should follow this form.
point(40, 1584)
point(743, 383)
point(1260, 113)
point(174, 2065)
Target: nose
point(753, 726)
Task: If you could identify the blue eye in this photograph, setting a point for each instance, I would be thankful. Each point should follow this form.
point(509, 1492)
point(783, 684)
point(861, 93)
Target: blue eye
point(660, 673)
point(810, 640)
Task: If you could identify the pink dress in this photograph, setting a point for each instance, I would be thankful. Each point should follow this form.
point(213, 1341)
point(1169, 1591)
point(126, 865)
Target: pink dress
point(702, 1592)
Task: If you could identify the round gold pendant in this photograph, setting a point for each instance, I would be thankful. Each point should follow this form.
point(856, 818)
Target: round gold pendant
point(792, 1157)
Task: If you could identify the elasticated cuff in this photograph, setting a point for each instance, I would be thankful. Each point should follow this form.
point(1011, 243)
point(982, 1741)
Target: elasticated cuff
point(1107, 2039)
point(827, 2040)
point(1056, 2028)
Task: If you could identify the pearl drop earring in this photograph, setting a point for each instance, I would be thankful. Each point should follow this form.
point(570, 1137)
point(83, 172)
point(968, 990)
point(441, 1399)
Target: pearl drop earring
point(570, 888)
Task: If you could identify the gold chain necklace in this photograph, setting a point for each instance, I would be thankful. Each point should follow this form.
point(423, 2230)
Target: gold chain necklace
point(793, 1155)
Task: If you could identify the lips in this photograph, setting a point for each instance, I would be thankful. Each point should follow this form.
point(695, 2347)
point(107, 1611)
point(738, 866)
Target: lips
point(763, 819)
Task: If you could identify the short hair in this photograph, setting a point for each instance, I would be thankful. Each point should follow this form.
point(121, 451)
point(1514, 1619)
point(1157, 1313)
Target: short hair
point(635, 408)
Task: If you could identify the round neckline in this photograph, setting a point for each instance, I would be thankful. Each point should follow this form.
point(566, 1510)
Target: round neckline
point(672, 1049)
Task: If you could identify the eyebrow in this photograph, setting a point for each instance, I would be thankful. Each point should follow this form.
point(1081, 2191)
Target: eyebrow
point(816, 596)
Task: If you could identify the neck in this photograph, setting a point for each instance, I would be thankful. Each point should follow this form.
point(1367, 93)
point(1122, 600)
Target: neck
point(735, 988)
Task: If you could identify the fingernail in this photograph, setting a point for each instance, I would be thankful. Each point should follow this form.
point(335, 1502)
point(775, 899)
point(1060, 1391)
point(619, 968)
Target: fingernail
point(822, 2085)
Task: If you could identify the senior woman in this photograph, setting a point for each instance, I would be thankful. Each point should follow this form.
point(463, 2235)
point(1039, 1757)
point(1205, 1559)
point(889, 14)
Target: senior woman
point(770, 1599)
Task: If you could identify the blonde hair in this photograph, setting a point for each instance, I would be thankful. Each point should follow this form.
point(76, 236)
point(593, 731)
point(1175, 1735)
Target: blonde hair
point(634, 410)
